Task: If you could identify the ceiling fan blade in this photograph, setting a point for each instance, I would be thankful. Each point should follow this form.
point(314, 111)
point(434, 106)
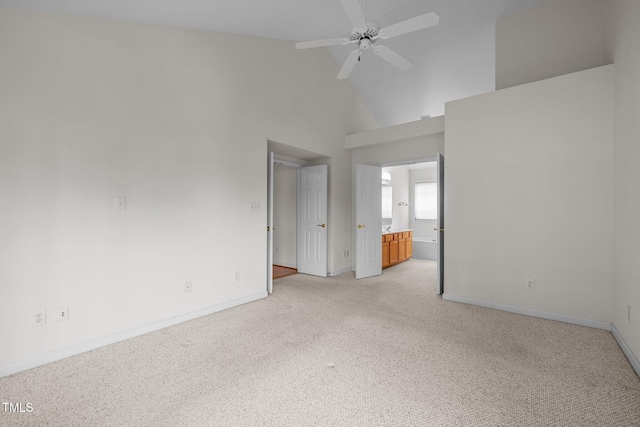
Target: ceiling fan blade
point(414, 24)
point(393, 57)
point(348, 65)
point(355, 14)
point(321, 43)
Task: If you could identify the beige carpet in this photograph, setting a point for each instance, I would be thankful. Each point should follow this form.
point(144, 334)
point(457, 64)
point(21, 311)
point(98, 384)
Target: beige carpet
point(338, 352)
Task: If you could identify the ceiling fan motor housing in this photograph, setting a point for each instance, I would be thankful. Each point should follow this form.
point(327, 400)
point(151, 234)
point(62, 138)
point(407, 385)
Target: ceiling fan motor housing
point(368, 34)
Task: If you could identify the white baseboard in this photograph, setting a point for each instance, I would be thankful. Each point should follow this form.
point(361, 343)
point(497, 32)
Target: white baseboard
point(339, 272)
point(558, 317)
point(63, 353)
point(529, 312)
point(625, 348)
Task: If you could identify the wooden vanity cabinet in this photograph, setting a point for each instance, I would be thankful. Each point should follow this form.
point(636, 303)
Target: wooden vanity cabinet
point(385, 254)
point(396, 247)
point(393, 252)
point(402, 248)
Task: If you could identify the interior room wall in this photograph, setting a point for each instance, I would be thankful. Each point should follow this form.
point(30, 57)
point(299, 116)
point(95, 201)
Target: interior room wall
point(549, 39)
point(175, 120)
point(623, 49)
point(522, 202)
point(415, 131)
point(415, 148)
point(400, 184)
point(285, 215)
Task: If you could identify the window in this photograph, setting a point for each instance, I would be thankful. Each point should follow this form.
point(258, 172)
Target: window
point(425, 200)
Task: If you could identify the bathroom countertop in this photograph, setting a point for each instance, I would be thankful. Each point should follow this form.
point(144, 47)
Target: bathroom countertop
point(396, 231)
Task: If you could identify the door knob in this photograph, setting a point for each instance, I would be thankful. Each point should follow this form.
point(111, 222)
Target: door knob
point(322, 225)
point(362, 226)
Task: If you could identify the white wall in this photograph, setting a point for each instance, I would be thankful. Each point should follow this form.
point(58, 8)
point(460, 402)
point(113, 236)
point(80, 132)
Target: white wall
point(175, 120)
point(400, 184)
point(411, 131)
point(417, 148)
point(522, 201)
point(549, 39)
point(285, 216)
point(625, 33)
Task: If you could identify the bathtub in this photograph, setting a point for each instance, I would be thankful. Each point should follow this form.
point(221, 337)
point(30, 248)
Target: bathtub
point(425, 249)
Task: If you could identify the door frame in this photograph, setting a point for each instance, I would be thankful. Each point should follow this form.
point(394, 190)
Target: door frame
point(272, 161)
point(440, 263)
point(270, 171)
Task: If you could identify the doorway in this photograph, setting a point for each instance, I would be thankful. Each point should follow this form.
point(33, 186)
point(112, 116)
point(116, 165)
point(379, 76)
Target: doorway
point(285, 212)
point(297, 212)
point(413, 199)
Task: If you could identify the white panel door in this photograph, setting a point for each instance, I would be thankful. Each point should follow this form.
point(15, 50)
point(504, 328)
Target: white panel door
point(440, 229)
point(312, 220)
point(368, 221)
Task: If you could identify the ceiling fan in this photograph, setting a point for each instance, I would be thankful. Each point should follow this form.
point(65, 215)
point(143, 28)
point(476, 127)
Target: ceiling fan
point(367, 34)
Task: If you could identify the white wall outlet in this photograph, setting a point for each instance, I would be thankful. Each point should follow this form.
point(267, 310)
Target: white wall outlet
point(120, 203)
point(188, 286)
point(530, 284)
point(63, 314)
point(39, 317)
point(346, 253)
point(236, 276)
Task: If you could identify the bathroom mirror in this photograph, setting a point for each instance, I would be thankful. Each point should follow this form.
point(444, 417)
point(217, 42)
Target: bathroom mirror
point(387, 202)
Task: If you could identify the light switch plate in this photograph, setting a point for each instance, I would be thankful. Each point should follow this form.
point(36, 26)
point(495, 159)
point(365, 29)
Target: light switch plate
point(120, 203)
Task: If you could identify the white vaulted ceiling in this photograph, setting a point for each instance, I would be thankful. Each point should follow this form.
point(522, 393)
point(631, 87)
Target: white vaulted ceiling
point(453, 60)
